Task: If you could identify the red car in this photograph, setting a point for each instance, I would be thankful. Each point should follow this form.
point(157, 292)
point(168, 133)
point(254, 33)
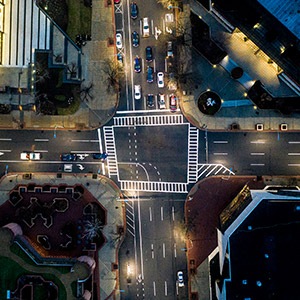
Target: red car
point(173, 103)
point(117, 1)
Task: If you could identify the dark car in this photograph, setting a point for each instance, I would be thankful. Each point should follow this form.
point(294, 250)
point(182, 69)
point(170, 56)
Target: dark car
point(101, 156)
point(150, 75)
point(135, 39)
point(149, 56)
point(133, 10)
point(68, 157)
point(150, 100)
point(137, 65)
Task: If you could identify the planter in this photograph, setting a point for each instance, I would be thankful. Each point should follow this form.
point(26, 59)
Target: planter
point(237, 73)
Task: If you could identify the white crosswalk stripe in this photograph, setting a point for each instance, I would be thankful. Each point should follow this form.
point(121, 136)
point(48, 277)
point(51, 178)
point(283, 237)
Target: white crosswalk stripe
point(192, 154)
point(110, 147)
point(154, 186)
point(205, 170)
point(153, 120)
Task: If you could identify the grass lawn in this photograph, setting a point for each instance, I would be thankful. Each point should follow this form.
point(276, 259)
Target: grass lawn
point(11, 271)
point(80, 18)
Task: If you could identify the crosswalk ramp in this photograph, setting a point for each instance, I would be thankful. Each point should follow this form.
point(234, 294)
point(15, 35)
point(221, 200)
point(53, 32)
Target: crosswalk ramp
point(154, 186)
point(109, 139)
point(192, 154)
point(206, 170)
point(152, 120)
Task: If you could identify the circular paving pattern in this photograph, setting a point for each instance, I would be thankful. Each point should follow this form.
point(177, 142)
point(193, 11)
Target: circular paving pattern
point(209, 103)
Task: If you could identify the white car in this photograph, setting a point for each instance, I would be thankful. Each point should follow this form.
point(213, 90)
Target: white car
point(161, 101)
point(119, 41)
point(146, 29)
point(31, 156)
point(137, 92)
point(180, 278)
point(160, 79)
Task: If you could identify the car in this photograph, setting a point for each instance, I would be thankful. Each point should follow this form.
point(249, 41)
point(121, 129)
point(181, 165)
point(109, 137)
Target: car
point(120, 58)
point(135, 39)
point(173, 103)
point(146, 29)
point(137, 92)
point(150, 75)
point(149, 56)
point(161, 101)
point(169, 49)
point(133, 10)
point(150, 100)
point(119, 43)
point(160, 79)
point(68, 168)
point(30, 155)
point(137, 64)
point(117, 1)
point(101, 156)
point(68, 157)
point(180, 279)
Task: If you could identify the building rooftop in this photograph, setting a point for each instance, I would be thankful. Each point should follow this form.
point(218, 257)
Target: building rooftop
point(287, 12)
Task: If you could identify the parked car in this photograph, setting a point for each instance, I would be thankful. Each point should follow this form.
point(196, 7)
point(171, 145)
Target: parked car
point(137, 64)
point(173, 103)
point(30, 155)
point(149, 56)
point(146, 29)
point(169, 49)
point(180, 278)
point(120, 58)
point(117, 1)
point(135, 39)
point(137, 92)
point(68, 157)
point(119, 43)
point(150, 75)
point(133, 10)
point(160, 79)
point(161, 101)
point(150, 100)
point(101, 156)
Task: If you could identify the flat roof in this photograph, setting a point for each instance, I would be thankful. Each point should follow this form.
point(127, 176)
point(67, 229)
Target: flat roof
point(264, 252)
point(287, 12)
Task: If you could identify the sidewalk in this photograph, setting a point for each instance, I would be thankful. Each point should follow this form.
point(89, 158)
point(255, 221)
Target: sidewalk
point(108, 195)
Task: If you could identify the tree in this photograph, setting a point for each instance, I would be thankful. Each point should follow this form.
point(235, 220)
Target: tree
point(85, 92)
point(92, 229)
point(114, 72)
point(72, 70)
point(41, 73)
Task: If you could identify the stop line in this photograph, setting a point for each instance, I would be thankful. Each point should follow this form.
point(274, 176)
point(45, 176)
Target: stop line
point(153, 120)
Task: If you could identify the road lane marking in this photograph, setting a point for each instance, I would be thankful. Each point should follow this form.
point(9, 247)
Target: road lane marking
point(5, 150)
point(175, 251)
point(220, 153)
point(141, 237)
point(152, 251)
point(154, 289)
point(173, 213)
point(220, 142)
point(293, 154)
point(3, 139)
point(164, 250)
point(257, 153)
point(41, 140)
point(150, 214)
point(166, 289)
point(294, 165)
point(257, 164)
point(85, 141)
point(257, 142)
point(294, 142)
point(162, 213)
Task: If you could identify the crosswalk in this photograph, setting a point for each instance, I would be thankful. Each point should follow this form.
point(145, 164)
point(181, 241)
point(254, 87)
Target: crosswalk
point(192, 154)
point(154, 186)
point(152, 120)
point(109, 139)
